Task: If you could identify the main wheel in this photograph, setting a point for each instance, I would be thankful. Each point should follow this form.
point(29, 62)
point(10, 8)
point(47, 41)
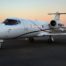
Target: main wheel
point(51, 39)
point(1, 43)
point(31, 39)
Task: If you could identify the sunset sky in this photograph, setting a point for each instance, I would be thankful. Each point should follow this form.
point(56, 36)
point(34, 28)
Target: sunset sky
point(32, 9)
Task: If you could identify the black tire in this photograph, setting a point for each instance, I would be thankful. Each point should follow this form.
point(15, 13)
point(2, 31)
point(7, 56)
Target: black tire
point(50, 39)
point(31, 39)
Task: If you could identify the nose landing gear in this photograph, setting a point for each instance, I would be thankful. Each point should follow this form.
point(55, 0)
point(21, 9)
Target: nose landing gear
point(1, 43)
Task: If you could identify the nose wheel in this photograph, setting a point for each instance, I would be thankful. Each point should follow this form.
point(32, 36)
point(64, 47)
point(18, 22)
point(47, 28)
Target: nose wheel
point(1, 43)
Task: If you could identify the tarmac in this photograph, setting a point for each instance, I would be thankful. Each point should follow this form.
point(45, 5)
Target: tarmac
point(20, 52)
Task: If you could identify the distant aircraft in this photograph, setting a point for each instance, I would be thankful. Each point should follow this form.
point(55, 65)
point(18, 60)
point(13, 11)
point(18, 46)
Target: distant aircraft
point(21, 28)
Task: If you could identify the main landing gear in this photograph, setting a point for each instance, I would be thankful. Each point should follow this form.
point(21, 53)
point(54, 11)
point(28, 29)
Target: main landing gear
point(51, 39)
point(31, 39)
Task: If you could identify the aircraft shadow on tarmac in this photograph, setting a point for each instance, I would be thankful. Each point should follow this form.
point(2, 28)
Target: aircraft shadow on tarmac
point(40, 42)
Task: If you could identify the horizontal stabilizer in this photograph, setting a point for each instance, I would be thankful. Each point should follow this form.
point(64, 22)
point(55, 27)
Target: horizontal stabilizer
point(57, 15)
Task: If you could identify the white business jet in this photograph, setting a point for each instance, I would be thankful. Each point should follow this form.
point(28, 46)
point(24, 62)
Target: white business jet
point(12, 28)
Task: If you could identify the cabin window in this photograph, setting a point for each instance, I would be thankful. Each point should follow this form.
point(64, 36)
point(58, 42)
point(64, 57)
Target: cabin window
point(11, 22)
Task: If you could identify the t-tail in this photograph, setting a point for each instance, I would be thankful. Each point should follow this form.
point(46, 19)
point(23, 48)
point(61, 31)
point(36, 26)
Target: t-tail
point(55, 23)
point(57, 15)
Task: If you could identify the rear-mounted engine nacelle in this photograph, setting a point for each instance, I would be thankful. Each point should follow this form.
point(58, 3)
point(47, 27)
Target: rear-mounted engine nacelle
point(53, 24)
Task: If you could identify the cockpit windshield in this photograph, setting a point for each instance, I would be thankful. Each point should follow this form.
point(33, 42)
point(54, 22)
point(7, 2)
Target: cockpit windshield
point(10, 22)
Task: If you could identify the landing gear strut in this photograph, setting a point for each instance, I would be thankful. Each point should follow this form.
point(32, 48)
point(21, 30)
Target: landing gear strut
point(1, 43)
point(51, 39)
point(31, 39)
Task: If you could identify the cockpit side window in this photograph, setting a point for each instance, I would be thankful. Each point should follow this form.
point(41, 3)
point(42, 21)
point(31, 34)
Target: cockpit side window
point(11, 22)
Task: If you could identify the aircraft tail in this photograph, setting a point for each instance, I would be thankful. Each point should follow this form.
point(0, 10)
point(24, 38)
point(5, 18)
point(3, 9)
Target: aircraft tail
point(57, 15)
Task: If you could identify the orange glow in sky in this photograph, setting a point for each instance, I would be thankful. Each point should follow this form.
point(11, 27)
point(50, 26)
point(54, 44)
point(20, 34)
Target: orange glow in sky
point(32, 9)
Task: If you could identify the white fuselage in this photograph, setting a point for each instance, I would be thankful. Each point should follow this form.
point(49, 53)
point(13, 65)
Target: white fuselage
point(25, 28)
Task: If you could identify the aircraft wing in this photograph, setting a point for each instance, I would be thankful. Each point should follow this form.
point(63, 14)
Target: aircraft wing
point(46, 33)
point(52, 32)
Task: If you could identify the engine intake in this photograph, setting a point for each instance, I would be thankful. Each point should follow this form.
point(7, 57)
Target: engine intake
point(53, 23)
